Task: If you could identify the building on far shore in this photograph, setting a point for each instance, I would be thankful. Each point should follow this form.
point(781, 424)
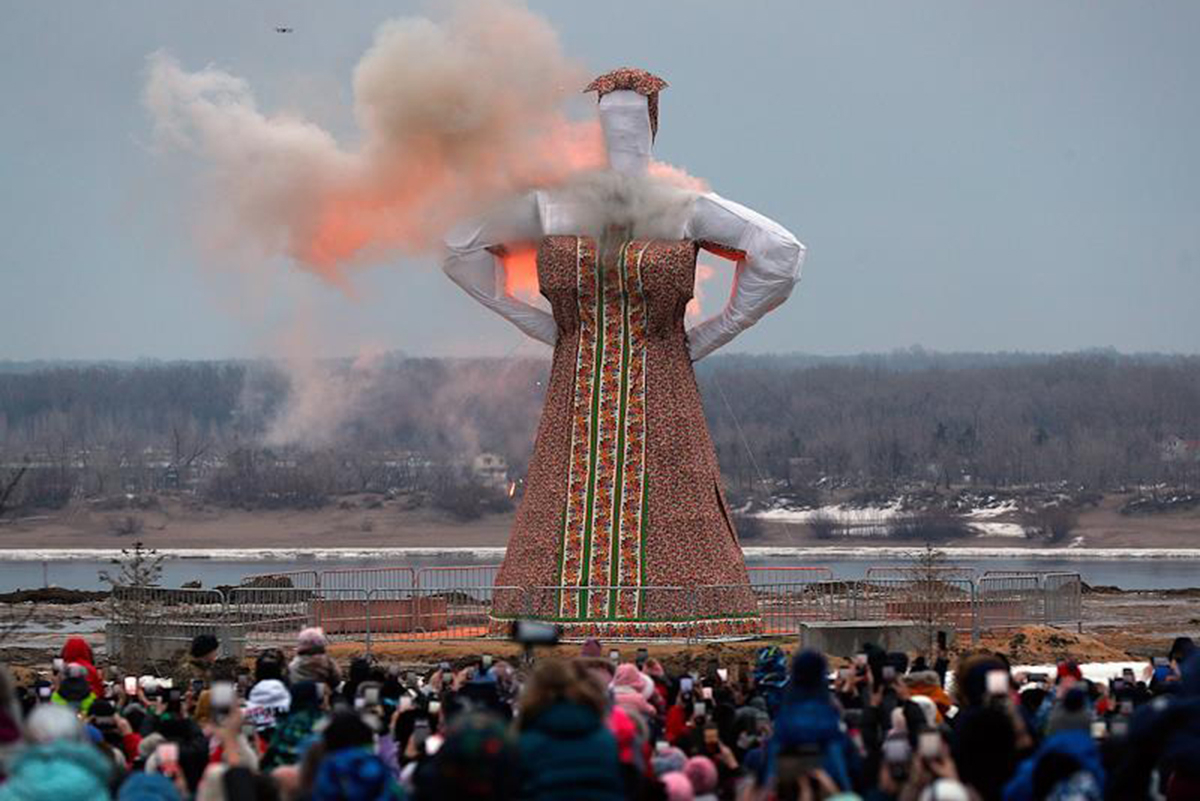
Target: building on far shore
point(491, 470)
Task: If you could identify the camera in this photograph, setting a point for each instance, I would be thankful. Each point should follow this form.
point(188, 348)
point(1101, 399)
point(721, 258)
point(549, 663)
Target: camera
point(535, 632)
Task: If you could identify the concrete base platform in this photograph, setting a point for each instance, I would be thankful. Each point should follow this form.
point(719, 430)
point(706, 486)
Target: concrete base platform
point(846, 638)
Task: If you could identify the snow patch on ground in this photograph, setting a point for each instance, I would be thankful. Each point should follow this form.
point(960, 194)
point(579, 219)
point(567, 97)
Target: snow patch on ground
point(994, 529)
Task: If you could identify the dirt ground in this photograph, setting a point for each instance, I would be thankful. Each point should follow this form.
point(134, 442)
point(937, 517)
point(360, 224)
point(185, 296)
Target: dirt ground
point(1117, 626)
point(353, 523)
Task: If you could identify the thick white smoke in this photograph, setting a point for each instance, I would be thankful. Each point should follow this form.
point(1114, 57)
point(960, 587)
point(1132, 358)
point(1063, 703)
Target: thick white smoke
point(453, 115)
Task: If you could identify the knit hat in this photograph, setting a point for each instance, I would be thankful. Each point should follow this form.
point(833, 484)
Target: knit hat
point(702, 773)
point(311, 641)
point(628, 675)
point(268, 699)
point(590, 647)
point(203, 645)
point(668, 760)
point(678, 787)
point(48, 723)
point(272, 694)
point(809, 674)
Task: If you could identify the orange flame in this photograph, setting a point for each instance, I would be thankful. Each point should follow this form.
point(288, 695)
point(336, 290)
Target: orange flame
point(520, 272)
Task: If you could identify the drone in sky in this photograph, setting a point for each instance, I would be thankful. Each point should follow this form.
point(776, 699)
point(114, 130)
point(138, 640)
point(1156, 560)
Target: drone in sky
point(283, 30)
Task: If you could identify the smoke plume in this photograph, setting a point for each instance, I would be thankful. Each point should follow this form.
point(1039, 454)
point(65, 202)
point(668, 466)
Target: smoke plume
point(452, 114)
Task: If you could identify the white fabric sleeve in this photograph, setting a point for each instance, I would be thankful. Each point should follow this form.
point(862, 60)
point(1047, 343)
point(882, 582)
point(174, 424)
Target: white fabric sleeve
point(764, 277)
point(470, 264)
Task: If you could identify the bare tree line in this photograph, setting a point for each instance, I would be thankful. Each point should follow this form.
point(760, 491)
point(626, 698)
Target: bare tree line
point(1092, 420)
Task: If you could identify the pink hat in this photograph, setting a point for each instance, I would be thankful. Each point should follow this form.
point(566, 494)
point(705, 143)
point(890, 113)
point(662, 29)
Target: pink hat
point(702, 773)
point(628, 675)
point(678, 787)
point(311, 641)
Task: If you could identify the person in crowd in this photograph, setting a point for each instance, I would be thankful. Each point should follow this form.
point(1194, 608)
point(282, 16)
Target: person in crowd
point(311, 663)
point(808, 733)
point(202, 657)
point(880, 727)
point(566, 751)
point(76, 651)
point(297, 726)
point(57, 762)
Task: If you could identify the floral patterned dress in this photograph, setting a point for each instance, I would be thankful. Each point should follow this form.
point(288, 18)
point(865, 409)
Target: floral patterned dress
point(624, 530)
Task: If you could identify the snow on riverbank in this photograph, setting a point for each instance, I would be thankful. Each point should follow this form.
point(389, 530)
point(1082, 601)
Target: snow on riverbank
point(875, 521)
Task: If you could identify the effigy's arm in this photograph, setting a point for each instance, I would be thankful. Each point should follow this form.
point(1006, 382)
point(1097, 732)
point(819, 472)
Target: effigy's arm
point(471, 262)
point(768, 259)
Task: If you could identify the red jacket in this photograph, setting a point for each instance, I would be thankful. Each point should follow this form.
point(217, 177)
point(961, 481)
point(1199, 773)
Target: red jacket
point(76, 651)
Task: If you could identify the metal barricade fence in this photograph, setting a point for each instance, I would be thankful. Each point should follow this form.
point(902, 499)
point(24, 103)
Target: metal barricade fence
point(369, 578)
point(457, 577)
point(287, 579)
point(154, 623)
point(934, 599)
point(773, 574)
point(783, 607)
point(409, 610)
point(261, 617)
point(440, 613)
point(917, 571)
point(344, 614)
point(1009, 600)
point(1062, 598)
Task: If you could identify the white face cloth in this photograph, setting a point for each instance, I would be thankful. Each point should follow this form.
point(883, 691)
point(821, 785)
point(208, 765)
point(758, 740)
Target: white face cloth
point(770, 257)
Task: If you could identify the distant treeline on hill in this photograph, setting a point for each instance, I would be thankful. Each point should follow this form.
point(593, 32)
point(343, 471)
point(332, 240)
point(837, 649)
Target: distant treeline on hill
point(1096, 419)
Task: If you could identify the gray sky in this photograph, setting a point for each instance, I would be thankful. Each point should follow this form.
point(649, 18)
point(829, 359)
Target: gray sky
point(966, 175)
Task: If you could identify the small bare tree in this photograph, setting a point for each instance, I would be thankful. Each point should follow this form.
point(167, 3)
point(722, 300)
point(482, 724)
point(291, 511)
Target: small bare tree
point(8, 486)
point(933, 598)
point(138, 570)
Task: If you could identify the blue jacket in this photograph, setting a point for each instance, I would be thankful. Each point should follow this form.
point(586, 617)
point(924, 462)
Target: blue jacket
point(58, 771)
point(568, 753)
point(1073, 743)
point(813, 721)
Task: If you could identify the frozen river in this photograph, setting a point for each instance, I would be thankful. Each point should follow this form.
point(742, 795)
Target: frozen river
point(1128, 569)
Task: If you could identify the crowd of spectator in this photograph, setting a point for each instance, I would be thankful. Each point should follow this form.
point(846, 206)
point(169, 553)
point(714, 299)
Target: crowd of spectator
point(597, 725)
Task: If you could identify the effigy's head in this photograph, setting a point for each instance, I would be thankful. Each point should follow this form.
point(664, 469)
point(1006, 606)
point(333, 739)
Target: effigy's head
point(628, 86)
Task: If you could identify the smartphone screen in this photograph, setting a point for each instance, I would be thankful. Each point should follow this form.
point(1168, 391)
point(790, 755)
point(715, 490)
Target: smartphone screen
point(614, 656)
point(435, 707)
point(685, 684)
point(723, 674)
point(222, 696)
point(707, 693)
point(997, 682)
point(168, 758)
point(131, 685)
point(699, 709)
point(371, 696)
